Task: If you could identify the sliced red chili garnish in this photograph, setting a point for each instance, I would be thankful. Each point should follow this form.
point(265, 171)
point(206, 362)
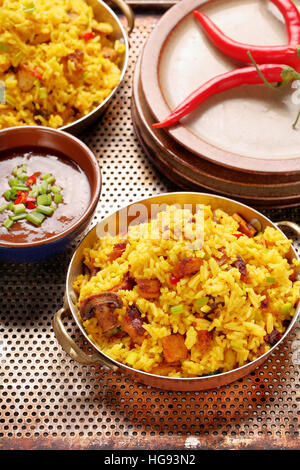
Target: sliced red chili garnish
point(174, 280)
point(88, 36)
point(30, 205)
point(32, 179)
point(238, 235)
point(21, 197)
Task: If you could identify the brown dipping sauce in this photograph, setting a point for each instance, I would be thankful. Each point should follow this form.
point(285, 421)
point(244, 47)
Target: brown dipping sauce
point(68, 175)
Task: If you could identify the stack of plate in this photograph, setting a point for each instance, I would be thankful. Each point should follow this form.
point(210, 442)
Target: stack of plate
point(239, 143)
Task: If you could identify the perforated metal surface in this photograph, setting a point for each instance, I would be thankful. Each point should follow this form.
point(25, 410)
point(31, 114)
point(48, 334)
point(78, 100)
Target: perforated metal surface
point(49, 401)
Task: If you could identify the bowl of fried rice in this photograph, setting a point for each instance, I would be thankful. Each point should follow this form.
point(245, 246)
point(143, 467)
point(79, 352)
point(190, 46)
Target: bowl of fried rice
point(60, 61)
point(183, 291)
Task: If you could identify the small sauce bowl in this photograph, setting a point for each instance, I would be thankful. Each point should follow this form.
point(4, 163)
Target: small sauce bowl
point(43, 141)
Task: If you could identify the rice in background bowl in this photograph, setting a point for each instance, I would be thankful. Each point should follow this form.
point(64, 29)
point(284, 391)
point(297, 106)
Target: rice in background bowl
point(57, 63)
point(227, 313)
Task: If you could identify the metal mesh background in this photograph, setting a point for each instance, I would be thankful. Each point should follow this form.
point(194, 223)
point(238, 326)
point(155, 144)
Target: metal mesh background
point(49, 401)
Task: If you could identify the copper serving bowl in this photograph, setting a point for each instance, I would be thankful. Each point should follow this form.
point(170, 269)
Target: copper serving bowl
point(104, 13)
point(168, 383)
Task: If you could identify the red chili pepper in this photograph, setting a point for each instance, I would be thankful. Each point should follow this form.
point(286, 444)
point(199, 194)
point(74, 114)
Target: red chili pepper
point(238, 235)
point(287, 54)
point(227, 81)
point(30, 199)
point(32, 179)
point(21, 197)
point(30, 204)
point(174, 280)
point(37, 74)
point(88, 36)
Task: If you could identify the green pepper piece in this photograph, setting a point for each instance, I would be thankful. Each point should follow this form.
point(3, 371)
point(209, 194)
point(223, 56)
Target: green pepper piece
point(285, 308)
point(45, 177)
point(177, 308)
point(44, 187)
point(201, 301)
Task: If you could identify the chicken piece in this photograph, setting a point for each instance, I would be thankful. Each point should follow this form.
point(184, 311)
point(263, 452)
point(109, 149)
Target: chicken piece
point(133, 324)
point(187, 267)
point(174, 348)
point(128, 283)
point(241, 266)
point(149, 288)
point(118, 250)
point(223, 258)
point(77, 59)
point(109, 53)
point(25, 78)
point(244, 226)
point(265, 303)
point(273, 337)
point(94, 271)
point(41, 38)
point(204, 340)
point(102, 306)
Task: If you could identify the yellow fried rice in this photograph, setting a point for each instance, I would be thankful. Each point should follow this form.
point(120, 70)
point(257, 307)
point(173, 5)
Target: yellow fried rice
point(238, 325)
point(57, 62)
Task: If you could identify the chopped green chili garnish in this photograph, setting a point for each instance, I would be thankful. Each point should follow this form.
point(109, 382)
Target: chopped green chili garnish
point(177, 308)
point(8, 223)
point(270, 279)
point(35, 217)
point(44, 187)
point(44, 200)
point(13, 181)
point(45, 177)
point(7, 195)
point(132, 357)
point(33, 194)
point(47, 210)
point(55, 189)
point(3, 207)
point(20, 216)
point(58, 198)
point(18, 208)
